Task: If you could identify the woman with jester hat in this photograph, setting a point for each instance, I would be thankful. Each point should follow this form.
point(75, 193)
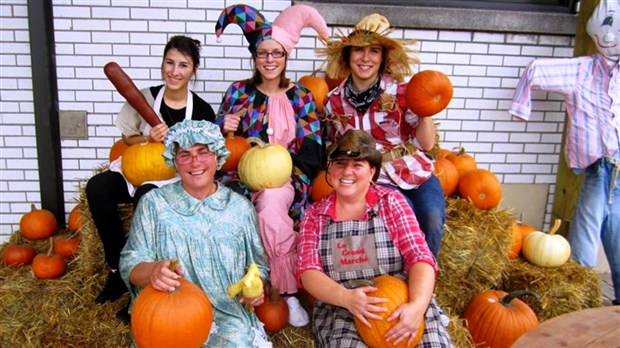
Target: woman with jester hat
point(271, 107)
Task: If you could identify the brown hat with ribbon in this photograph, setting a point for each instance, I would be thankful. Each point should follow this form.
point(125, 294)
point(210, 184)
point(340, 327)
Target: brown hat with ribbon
point(356, 145)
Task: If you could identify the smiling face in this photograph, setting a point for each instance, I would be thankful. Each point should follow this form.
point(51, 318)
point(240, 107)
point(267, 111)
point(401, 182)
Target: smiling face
point(270, 60)
point(351, 178)
point(604, 28)
point(365, 63)
point(197, 166)
point(177, 69)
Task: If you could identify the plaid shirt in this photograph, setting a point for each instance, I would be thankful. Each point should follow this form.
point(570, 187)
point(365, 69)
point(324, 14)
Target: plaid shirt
point(392, 208)
point(392, 125)
point(591, 88)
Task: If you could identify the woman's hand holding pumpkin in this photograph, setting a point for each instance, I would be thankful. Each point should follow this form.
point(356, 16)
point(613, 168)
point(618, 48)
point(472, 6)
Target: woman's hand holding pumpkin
point(231, 123)
point(164, 279)
point(363, 306)
point(409, 317)
point(252, 301)
point(158, 133)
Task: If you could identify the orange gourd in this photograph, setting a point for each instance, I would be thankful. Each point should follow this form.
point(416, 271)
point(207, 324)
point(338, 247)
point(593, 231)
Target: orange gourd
point(179, 318)
point(519, 231)
point(463, 161)
point(482, 188)
point(318, 87)
point(144, 162)
point(396, 291)
point(117, 149)
point(38, 224)
point(66, 247)
point(320, 186)
point(17, 253)
point(237, 146)
point(273, 313)
point(75, 219)
point(496, 319)
point(448, 176)
point(428, 93)
point(49, 265)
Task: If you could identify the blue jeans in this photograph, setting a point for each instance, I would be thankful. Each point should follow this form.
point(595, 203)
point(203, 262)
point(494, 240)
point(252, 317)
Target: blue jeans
point(429, 206)
point(597, 219)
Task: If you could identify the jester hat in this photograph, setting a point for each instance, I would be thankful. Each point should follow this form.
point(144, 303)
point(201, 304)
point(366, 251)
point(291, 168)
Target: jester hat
point(286, 28)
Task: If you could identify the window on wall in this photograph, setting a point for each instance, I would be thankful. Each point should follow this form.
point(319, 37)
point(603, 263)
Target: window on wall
point(554, 6)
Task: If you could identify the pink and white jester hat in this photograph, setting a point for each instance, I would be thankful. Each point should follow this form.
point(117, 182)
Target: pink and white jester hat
point(286, 28)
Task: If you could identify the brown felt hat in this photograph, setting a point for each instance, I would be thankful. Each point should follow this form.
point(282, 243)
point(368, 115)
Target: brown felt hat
point(356, 145)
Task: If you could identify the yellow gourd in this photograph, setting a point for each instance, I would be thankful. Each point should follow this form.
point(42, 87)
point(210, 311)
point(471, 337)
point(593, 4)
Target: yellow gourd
point(546, 249)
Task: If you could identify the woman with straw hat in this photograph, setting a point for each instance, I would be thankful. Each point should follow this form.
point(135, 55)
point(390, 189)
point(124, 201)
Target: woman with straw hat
point(371, 98)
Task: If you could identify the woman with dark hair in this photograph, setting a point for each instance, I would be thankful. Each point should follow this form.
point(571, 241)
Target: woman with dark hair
point(173, 102)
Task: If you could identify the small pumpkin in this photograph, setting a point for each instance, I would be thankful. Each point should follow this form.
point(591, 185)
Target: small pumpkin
point(482, 188)
point(317, 86)
point(519, 231)
point(38, 224)
point(237, 147)
point(547, 249)
point(66, 246)
point(428, 92)
point(273, 313)
point(463, 161)
point(17, 253)
point(265, 165)
point(396, 291)
point(144, 162)
point(117, 150)
point(74, 222)
point(448, 176)
point(496, 319)
point(321, 187)
point(49, 265)
point(179, 318)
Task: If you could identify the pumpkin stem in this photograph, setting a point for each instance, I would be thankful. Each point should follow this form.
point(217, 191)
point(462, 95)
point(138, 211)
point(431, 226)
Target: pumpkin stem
point(50, 250)
point(174, 262)
point(255, 141)
point(505, 301)
point(362, 282)
point(230, 135)
point(32, 207)
point(274, 295)
point(556, 226)
point(460, 151)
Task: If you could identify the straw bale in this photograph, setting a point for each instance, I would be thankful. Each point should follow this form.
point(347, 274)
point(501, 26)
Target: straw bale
point(568, 288)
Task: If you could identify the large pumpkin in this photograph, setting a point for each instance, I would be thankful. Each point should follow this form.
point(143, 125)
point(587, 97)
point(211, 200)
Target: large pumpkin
point(428, 92)
point(38, 224)
point(117, 150)
point(495, 319)
point(144, 162)
point(396, 292)
point(482, 188)
point(273, 313)
point(463, 161)
point(320, 186)
point(17, 253)
point(265, 166)
point(318, 87)
point(237, 146)
point(179, 318)
point(546, 249)
point(448, 176)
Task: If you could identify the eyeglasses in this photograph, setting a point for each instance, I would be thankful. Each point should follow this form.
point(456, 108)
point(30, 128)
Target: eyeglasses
point(274, 54)
point(186, 157)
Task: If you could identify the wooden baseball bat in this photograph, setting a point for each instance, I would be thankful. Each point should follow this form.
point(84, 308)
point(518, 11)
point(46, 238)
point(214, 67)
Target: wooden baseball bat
point(125, 86)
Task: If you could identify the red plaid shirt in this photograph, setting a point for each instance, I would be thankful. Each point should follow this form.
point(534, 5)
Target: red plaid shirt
point(392, 208)
point(392, 124)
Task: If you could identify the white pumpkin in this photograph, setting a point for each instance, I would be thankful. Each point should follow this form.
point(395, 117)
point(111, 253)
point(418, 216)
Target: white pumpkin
point(265, 165)
point(546, 249)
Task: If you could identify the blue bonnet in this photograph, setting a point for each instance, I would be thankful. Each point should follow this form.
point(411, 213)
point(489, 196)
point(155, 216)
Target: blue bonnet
point(188, 133)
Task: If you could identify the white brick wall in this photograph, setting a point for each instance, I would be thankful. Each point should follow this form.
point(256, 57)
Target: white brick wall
point(483, 67)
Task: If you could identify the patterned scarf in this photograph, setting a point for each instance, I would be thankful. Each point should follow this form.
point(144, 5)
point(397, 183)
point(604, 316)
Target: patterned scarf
point(361, 100)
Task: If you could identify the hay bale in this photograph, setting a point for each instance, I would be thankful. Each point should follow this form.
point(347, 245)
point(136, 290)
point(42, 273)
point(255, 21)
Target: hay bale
point(568, 288)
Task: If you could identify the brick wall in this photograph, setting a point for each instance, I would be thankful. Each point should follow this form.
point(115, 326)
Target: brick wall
point(483, 67)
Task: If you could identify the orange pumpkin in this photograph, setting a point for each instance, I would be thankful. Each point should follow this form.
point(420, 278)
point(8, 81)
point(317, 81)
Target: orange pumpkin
point(463, 161)
point(179, 318)
point(49, 265)
point(144, 162)
point(318, 87)
point(482, 188)
point(320, 186)
point(273, 312)
point(518, 233)
point(117, 149)
point(448, 176)
point(496, 319)
point(17, 253)
point(75, 219)
point(442, 153)
point(396, 291)
point(38, 224)
point(237, 146)
point(333, 82)
point(66, 247)
point(428, 93)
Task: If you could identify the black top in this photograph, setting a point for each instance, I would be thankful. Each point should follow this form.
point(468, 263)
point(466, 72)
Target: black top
point(202, 109)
